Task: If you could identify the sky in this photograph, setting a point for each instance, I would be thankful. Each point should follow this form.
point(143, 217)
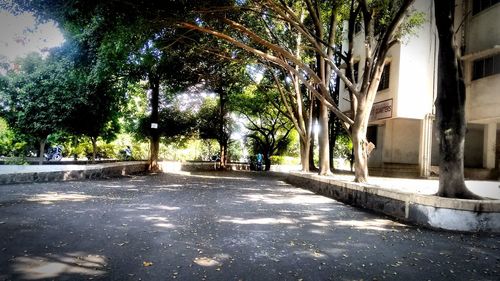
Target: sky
point(19, 35)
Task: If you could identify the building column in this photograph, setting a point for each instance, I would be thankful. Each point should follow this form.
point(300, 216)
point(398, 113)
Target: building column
point(489, 145)
point(425, 149)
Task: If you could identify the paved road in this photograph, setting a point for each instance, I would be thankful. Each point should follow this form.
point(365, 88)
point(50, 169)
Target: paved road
point(219, 226)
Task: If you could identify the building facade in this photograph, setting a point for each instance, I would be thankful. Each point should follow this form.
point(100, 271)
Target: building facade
point(402, 118)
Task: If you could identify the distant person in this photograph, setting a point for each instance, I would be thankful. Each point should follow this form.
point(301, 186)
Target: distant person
point(259, 161)
point(128, 153)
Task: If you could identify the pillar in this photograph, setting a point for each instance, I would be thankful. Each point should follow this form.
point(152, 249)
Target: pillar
point(425, 149)
point(489, 145)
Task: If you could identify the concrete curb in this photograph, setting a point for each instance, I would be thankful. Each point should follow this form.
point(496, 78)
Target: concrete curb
point(425, 210)
point(75, 172)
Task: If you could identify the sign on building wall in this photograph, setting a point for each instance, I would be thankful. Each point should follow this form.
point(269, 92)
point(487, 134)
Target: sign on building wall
point(381, 110)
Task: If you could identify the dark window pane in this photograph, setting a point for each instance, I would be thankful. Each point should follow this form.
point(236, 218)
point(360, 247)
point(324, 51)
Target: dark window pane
point(478, 69)
point(479, 5)
point(371, 134)
point(485, 4)
point(357, 27)
point(384, 79)
point(356, 70)
point(488, 67)
point(496, 64)
point(476, 6)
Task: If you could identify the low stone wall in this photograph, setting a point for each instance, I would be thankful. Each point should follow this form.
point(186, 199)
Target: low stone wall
point(212, 166)
point(76, 173)
point(426, 210)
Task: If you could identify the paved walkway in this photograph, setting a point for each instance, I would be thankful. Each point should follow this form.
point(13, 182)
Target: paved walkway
point(17, 169)
point(219, 226)
point(489, 189)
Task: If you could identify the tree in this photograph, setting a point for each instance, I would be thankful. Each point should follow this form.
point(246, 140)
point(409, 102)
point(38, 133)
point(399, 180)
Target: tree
point(268, 127)
point(213, 123)
point(450, 107)
point(174, 124)
point(379, 37)
point(6, 138)
point(36, 96)
point(384, 27)
point(91, 95)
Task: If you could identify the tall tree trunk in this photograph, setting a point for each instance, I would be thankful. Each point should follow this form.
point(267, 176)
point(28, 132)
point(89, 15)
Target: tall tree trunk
point(222, 133)
point(94, 148)
point(223, 154)
point(324, 151)
point(360, 143)
point(42, 152)
point(332, 132)
point(154, 84)
point(450, 107)
point(304, 154)
point(312, 166)
point(314, 118)
point(154, 148)
point(267, 161)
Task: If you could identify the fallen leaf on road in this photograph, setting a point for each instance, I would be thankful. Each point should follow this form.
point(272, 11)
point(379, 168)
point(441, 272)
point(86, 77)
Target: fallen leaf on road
point(147, 263)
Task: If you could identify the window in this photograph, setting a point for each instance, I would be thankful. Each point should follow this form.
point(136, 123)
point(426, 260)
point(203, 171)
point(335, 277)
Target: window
point(486, 67)
point(356, 70)
point(479, 5)
point(355, 67)
point(371, 134)
point(384, 79)
point(357, 27)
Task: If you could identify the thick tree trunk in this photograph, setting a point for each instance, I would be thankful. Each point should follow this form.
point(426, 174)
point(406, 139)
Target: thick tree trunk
point(42, 152)
point(332, 138)
point(223, 142)
point(450, 108)
point(312, 145)
point(312, 166)
point(360, 143)
point(304, 154)
point(154, 148)
point(267, 162)
point(154, 84)
point(324, 148)
point(223, 155)
point(94, 148)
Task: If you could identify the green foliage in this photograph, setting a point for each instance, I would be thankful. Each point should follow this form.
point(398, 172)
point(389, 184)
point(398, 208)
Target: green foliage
point(33, 103)
point(174, 124)
point(410, 25)
point(268, 128)
point(235, 151)
point(16, 161)
point(6, 138)
point(210, 121)
point(343, 147)
point(284, 160)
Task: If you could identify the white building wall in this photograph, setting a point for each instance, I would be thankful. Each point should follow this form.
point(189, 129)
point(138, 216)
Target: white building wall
point(401, 141)
point(413, 83)
point(483, 30)
point(416, 78)
point(473, 147)
point(483, 99)
point(482, 35)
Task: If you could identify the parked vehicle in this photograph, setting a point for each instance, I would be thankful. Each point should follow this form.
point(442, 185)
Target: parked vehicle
point(54, 153)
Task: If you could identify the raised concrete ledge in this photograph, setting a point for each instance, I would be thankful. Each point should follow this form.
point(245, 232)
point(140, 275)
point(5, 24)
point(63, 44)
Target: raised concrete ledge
point(425, 210)
point(30, 174)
